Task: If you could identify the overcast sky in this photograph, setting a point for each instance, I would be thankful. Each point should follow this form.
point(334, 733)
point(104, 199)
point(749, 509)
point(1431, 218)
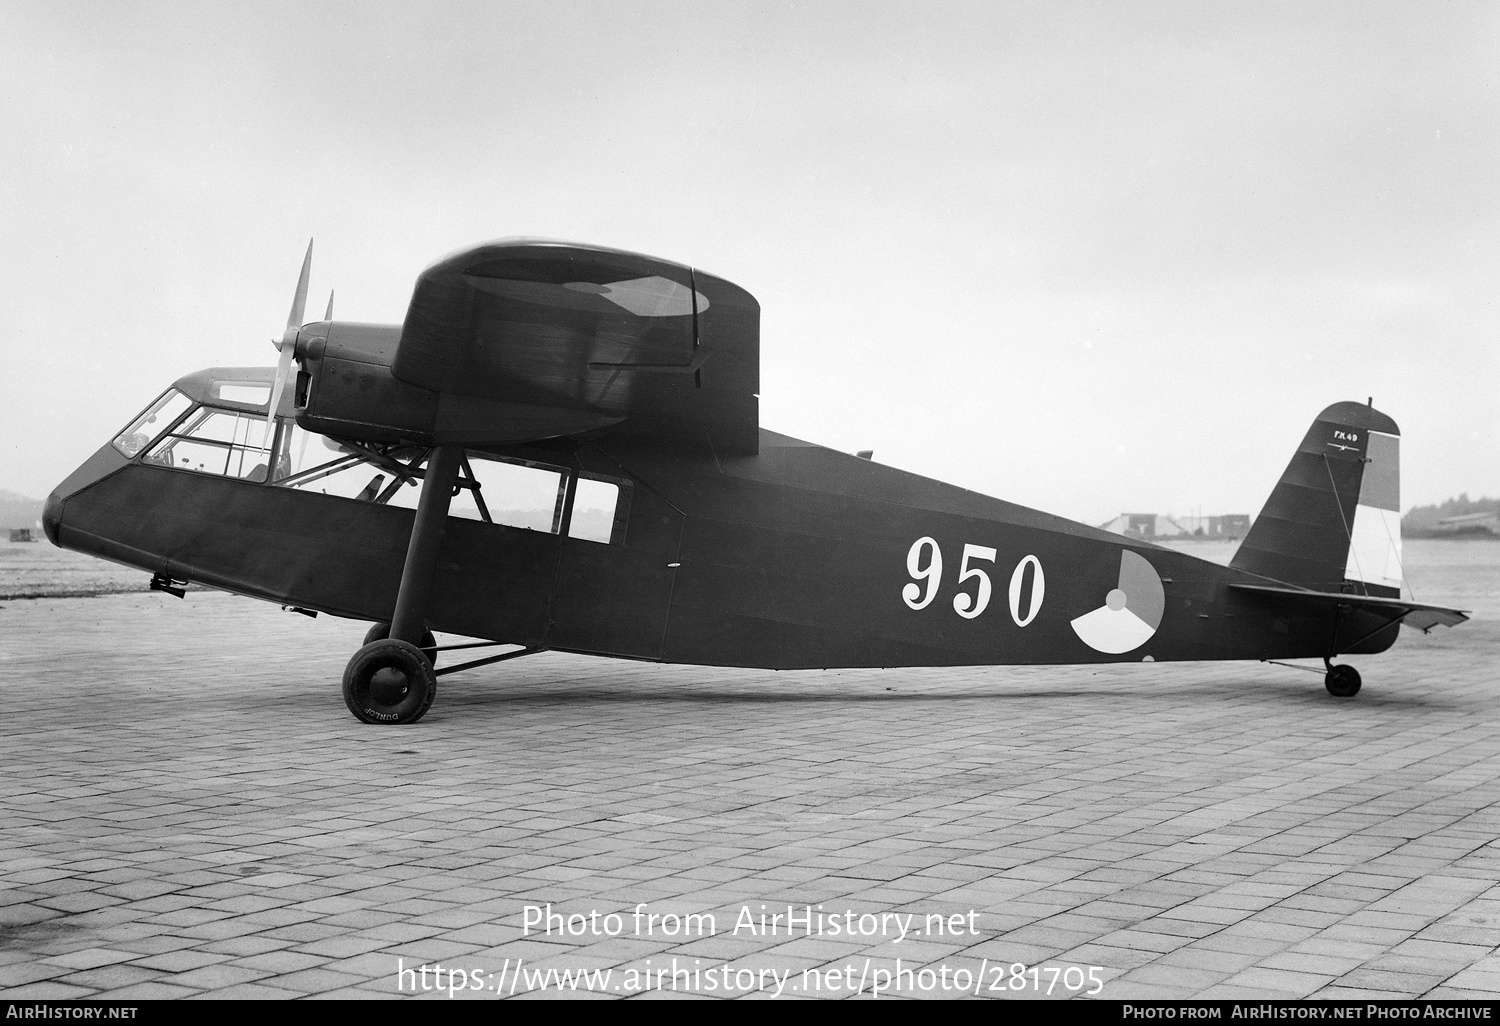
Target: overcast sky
point(1086, 257)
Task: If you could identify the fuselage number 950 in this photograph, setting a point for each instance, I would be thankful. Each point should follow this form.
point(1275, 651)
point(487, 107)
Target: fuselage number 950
point(924, 564)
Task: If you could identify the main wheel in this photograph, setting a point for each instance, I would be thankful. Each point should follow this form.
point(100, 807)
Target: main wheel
point(389, 682)
point(383, 630)
point(1342, 681)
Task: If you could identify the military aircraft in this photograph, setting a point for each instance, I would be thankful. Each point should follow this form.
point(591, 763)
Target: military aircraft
point(560, 449)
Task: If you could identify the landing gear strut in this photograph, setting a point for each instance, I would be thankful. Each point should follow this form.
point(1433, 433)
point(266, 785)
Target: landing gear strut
point(1342, 681)
point(391, 679)
point(428, 646)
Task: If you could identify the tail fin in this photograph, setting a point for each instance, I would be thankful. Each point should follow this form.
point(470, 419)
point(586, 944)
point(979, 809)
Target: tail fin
point(1335, 515)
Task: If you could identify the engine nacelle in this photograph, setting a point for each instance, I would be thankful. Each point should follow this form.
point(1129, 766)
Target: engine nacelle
point(345, 389)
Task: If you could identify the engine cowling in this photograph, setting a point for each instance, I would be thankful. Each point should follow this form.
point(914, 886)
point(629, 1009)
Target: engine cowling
point(345, 388)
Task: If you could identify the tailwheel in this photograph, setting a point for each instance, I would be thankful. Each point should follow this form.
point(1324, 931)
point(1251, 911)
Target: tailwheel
point(383, 630)
point(389, 682)
point(1342, 681)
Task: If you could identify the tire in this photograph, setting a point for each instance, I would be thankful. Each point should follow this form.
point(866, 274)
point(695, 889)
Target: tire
point(1342, 681)
point(380, 631)
point(389, 682)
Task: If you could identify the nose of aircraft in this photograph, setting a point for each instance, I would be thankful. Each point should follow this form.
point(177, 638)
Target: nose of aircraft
point(52, 517)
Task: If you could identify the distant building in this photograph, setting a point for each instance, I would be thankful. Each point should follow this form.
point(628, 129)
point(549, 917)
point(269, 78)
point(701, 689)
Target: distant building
point(1144, 525)
point(1471, 523)
point(1229, 527)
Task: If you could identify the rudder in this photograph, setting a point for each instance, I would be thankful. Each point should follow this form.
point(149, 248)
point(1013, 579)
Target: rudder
point(1334, 518)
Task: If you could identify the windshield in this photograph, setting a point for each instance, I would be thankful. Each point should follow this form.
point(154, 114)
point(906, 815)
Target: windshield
point(146, 428)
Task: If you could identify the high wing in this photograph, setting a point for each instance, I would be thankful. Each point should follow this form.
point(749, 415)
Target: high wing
point(643, 345)
point(1414, 614)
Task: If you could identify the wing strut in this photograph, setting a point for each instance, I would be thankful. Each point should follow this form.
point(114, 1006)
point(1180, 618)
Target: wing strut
point(409, 619)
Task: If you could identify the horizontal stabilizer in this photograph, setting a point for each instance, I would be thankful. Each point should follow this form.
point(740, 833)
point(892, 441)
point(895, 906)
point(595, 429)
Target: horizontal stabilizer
point(1413, 614)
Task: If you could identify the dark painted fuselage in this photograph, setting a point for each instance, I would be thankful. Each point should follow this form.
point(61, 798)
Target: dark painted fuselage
point(797, 557)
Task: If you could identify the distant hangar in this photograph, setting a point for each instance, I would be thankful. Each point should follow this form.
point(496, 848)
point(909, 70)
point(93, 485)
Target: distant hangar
point(1229, 527)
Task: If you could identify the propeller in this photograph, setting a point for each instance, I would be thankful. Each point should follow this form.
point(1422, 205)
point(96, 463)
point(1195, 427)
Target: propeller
point(287, 344)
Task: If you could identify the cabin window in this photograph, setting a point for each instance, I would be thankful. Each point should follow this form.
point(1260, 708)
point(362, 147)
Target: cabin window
point(146, 428)
point(599, 512)
point(491, 489)
point(534, 496)
point(510, 492)
point(214, 441)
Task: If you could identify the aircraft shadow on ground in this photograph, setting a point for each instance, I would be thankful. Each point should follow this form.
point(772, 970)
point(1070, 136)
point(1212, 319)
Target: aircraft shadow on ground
point(468, 695)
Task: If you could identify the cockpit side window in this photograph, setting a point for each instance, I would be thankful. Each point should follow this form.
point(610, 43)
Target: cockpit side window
point(316, 463)
point(146, 428)
point(212, 441)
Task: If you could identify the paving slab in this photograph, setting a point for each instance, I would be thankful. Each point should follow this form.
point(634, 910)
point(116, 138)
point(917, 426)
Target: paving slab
point(193, 812)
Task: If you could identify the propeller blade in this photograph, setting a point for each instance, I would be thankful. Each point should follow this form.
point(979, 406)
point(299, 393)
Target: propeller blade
point(299, 301)
point(328, 315)
point(283, 367)
point(287, 344)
